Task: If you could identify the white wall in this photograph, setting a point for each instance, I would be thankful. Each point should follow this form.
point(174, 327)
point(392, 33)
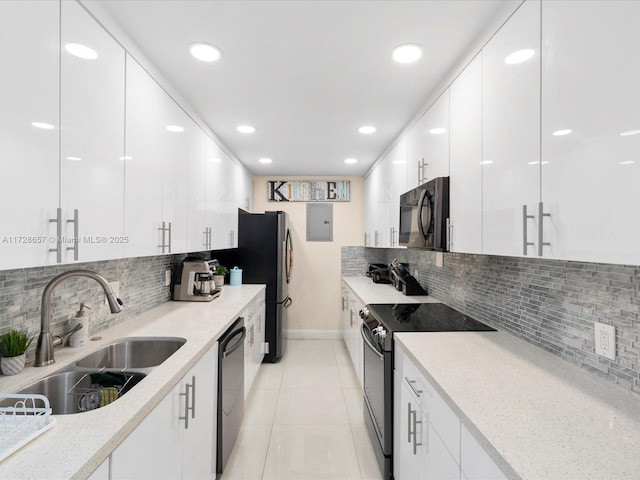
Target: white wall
point(315, 284)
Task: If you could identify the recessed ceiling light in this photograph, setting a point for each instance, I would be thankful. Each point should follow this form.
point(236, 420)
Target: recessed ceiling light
point(265, 160)
point(175, 128)
point(350, 160)
point(214, 160)
point(437, 131)
point(367, 129)
point(628, 133)
point(75, 159)
point(560, 133)
point(205, 52)
point(519, 56)
point(246, 129)
point(44, 126)
point(81, 51)
point(486, 162)
point(126, 157)
point(407, 53)
point(627, 162)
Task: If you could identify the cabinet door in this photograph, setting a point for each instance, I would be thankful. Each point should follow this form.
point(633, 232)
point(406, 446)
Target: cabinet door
point(345, 323)
point(198, 238)
point(475, 463)
point(245, 190)
point(198, 460)
point(249, 346)
point(394, 177)
point(405, 464)
point(465, 185)
point(590, 177)
point(92, 97)
point(370, 207)
point(435, 461)
point(102, 472)
point(511, 133)
point(29, 86)
point(143, 155)
point(429, 144)
point(153, 449)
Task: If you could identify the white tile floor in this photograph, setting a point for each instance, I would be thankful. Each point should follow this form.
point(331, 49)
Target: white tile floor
point(304, 419)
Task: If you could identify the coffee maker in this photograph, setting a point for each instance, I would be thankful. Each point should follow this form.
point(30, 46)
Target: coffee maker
point(196, 281)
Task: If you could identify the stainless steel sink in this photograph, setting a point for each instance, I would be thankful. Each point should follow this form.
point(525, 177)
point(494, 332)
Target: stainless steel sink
point(75, 391)
point(133, 353)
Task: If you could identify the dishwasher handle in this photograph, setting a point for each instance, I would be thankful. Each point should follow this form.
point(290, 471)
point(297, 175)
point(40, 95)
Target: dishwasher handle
point(239, 343)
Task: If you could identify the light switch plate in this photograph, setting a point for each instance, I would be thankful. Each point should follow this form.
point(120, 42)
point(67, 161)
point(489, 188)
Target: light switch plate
point(439, 259)
point(167, 278)
point(605, 340)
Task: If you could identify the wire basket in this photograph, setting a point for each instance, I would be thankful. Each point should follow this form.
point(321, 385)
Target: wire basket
point(27, 417)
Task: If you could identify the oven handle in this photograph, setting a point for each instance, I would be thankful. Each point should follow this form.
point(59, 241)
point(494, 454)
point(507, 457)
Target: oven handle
point(366, 340)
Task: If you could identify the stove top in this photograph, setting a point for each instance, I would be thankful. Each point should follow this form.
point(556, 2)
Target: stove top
point(423, 317)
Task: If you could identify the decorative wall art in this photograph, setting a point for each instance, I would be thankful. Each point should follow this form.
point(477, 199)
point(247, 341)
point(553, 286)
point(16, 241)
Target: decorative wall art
point(308, 190)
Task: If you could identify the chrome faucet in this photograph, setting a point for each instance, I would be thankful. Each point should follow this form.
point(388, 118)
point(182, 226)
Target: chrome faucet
point(46, 344)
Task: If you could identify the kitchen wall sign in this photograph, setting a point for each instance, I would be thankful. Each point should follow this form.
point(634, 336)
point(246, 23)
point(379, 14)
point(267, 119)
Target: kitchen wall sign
point(308, 190)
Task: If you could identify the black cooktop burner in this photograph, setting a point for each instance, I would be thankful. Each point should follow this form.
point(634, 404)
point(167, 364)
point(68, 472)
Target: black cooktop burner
point(425, 317)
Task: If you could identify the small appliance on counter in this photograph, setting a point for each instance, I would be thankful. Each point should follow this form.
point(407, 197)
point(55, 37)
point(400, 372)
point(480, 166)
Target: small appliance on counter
point(196, 281)
point(378, 272)
point(403, 281)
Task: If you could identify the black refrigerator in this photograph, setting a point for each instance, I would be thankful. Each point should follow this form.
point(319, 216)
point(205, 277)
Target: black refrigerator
point(265, 253)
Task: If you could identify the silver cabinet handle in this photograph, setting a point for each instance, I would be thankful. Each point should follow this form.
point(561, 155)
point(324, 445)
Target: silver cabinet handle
point(415, 432)
point(366, 239)
point(392, 236)
point(422, 177)
point(409, 422)
point(207, 238)
point(75, 234)
point(375, 238)
point(187, 387)
point(525, 217)
point(166, 232)
point(58, 222)
point(193, 396)
point(449, 229)
point(351, 318)
point(541, 215)
point(411, 383)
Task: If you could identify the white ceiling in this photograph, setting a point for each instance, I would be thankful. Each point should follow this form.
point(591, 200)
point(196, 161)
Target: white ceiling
point(306, 74)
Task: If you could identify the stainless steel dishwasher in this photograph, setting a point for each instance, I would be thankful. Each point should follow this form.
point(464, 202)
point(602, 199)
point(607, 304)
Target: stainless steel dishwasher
point(230, 391)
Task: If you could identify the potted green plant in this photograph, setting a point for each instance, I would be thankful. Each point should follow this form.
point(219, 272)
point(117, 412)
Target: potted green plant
point(13, 346)
point(218, 275)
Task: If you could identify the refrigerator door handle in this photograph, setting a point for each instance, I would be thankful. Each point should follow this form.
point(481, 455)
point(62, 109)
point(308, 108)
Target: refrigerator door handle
point(287, 302)
point(288, 256)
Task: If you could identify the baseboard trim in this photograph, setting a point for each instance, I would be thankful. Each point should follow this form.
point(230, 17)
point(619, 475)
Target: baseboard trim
point(297, 334)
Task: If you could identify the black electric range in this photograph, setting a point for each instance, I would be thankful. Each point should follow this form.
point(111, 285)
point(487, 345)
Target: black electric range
point(380, 322)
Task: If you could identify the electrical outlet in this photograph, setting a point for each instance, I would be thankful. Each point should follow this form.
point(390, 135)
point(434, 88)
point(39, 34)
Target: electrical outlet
point(415, 274)
point(167, 278)
point(439, 259)
point(115, 288)
point(605, 340)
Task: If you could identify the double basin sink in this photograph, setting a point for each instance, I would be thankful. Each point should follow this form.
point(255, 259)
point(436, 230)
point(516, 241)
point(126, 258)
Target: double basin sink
point(103, 376)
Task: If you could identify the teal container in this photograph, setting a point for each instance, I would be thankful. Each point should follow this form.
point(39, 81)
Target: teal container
point(235, 276)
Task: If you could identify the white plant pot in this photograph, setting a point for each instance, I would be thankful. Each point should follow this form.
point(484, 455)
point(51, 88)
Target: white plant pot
point(12, 365)
point(219, 280)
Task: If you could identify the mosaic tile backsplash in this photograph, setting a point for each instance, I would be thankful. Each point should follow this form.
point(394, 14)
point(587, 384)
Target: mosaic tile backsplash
point(141, 288)
point(550, 303)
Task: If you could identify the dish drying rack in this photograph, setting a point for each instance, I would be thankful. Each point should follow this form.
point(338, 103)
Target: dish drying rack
point(28, 418)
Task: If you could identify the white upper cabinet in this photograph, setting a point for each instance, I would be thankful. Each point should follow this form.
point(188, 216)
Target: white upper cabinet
point(429, 144)
point(393, 180)
point(590, 176)
point(465, 188)
point(143, 169)
point(377, 210)
point(198, 238)
point(160, 141)
point(222, 182)
point(29, 85)
point(511, 132)
point(92, 103)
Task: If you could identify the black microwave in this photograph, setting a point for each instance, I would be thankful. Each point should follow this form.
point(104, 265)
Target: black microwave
point(424, 212)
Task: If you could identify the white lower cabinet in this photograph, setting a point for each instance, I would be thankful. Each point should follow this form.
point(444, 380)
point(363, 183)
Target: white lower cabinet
point(102, 472)
point(430, 442)
point(254, 346)
point(177, 439)
point(351, 324)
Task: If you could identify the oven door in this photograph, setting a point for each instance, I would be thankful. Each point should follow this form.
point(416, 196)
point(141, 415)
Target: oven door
point(378, 389)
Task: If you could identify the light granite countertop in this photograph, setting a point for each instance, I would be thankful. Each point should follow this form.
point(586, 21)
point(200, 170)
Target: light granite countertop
point(369, 292)
point(542, 416)
point(79, 443)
